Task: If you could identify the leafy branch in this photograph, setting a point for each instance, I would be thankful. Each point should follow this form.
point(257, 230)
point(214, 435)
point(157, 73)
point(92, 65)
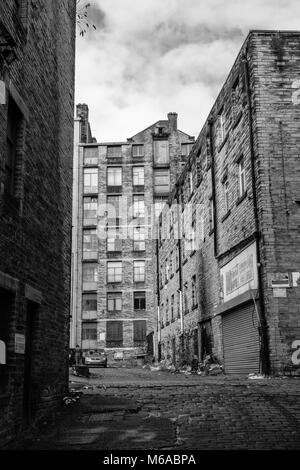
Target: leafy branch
point(82, 17)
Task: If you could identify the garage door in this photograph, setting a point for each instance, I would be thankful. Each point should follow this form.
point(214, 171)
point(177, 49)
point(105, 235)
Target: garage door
point(241, 340)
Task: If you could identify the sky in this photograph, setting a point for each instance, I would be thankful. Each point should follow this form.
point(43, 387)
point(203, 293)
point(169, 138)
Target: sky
point(150, 57)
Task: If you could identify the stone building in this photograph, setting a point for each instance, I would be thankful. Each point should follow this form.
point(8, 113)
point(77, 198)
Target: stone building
point(229, 247)
point(119, 187)
point(37, 49)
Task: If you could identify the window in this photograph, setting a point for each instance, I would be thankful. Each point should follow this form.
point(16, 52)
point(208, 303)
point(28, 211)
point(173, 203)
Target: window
point(114, 151)
point(185, 149)
point(89, 331)
point(89, 272)
point(138, 176)
point(138, 206)
point(186, 301)
point(137, 150)
point(139, 332)
point(114, 334)
point(226, 195)
point(114, 176)
point(161, 152)
point(211, 215)
point(191, 182)
point(113, 210)
point(90, 156)
point(89, 302)
point(235, 98)
point(194, 293)
point(114, 301)
point(139, 271)
point(139, 239)
point(242, 177)
point(172, 307)
point(90, 240)
point(139, 300)
point(161, 181)
point(90, 210)
point(171, 264)
point(114, 271)
point(114, 243)
point(90, 180)
point(167, 312)
point(14, 118)
point(221, 127)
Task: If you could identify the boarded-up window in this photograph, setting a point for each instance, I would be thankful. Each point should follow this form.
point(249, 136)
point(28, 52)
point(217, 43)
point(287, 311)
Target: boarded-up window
point(89, 302)
point(139, 332)
point(161, 151)
point(114, 334)
point(89, 331)
point(114, 151)
point(161, 181)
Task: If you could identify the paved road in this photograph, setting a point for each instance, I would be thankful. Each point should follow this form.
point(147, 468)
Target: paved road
point(139, 409)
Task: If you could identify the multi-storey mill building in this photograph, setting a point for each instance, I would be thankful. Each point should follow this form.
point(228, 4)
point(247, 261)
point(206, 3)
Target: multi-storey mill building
point(119, 188)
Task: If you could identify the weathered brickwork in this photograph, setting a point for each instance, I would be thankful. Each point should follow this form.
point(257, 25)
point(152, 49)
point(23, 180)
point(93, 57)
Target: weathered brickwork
point(246, 162)
point(35, 213)
point(167, 132)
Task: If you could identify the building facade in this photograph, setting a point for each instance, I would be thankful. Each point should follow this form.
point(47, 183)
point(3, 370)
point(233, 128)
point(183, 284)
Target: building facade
point(229, 251)
point(120, 186)
point(37, 49)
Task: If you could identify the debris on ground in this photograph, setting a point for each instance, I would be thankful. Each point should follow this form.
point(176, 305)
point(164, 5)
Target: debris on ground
point(256, 376)
point(72, 397)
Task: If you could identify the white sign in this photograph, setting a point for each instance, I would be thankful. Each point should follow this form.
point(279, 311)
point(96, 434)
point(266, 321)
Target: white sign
point(2, 92)
point(19, 344)
point(102, 337)
point(2, 352)
point(240, 274)
point(296, 279)
point(118, 355)
point(279, 292)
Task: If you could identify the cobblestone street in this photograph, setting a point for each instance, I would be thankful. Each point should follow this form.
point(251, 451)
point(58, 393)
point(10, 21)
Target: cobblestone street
point(139, 409)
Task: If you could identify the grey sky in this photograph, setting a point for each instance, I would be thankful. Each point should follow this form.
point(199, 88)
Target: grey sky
point(149, 57)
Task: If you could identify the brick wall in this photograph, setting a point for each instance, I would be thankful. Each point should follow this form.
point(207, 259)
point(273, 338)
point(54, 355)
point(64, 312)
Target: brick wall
point(269, 121)
point(36, 222)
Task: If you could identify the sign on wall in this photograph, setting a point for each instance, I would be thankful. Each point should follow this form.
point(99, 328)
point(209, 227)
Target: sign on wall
point(2, 92)
point(2, 352)
point(19, 344)
point(240, 274)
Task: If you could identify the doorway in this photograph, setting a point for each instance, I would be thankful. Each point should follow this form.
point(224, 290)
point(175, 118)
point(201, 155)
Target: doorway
point(30, 333)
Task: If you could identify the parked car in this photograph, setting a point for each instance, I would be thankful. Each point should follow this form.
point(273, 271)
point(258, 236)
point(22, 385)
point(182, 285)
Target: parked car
point(95, 358)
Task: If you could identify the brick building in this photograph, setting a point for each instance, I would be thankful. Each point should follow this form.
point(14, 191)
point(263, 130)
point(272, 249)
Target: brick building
point(229, 247)
point(37, 49)
point(119, 186)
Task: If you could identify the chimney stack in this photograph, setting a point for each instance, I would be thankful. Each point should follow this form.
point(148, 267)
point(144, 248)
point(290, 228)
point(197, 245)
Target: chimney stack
point(172, 117)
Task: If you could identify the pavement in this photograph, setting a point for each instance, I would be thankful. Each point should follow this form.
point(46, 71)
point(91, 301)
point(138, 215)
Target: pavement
point(158, 410)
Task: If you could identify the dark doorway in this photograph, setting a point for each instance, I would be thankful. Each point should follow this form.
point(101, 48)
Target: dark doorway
point(206, 339)
point(28, 397)
point(6, 301)
point(196, 343)
point(174, 351)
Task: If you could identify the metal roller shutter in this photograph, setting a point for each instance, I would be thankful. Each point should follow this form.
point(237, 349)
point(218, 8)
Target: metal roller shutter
point(241, 340)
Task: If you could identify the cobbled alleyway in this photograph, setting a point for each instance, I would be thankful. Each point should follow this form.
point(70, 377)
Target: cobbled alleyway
point(139, 409)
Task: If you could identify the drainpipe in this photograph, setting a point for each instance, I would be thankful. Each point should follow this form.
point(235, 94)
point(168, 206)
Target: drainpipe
point(265, 362)
point(213, 184)
point(180, 264)
point(158, 324)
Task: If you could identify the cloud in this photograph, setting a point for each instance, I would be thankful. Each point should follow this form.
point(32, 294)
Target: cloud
point(149, 57)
